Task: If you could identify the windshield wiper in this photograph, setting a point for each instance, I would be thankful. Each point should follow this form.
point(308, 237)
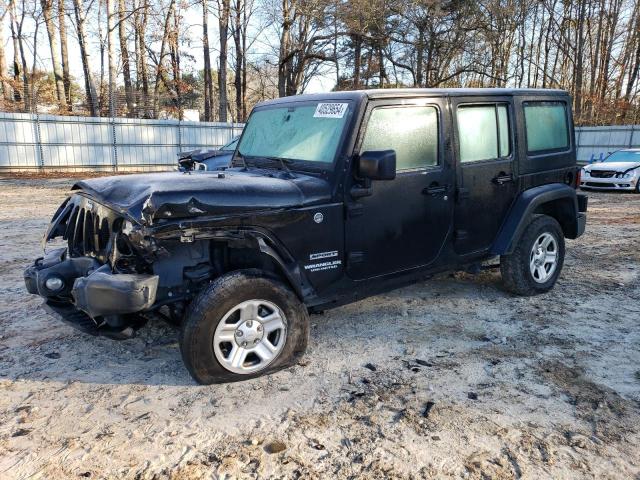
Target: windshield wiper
point(284, 163)
point(244, 161)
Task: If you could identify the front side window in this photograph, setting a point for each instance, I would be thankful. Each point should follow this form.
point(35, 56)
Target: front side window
point(546, 126)
point(483, 131)
point(308, 132)
point(411, 131)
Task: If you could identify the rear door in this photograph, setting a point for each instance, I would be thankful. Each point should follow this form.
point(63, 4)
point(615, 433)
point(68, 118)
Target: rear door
point(403, 223)
point(485, 149)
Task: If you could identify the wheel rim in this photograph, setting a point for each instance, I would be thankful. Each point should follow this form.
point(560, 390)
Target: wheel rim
point(250, 336)
point(543, 260)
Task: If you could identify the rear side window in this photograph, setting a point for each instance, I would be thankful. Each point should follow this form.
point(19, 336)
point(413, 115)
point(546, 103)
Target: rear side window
point(411, 131)
point(483, 131)
point(546, 126)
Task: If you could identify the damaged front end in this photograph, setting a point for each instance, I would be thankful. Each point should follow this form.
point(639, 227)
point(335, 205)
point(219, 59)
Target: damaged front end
point(101, 281)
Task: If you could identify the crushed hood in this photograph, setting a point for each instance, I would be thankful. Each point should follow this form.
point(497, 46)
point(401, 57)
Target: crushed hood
point(172, 195)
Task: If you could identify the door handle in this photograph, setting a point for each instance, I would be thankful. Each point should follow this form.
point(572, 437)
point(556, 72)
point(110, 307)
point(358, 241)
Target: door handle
point(435, 189)
point(502, 178)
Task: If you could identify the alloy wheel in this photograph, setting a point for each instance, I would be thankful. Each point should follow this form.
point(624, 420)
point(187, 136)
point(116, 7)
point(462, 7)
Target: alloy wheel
point(250, 336)
point(543, 259)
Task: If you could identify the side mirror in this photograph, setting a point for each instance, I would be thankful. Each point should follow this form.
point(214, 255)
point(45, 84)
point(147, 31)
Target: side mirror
point(377, 165)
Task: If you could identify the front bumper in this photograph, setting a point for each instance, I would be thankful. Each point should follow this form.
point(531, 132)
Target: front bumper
point(628, 184)
point(92, 298)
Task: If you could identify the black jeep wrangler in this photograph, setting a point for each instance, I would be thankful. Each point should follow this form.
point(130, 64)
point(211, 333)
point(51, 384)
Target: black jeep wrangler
point(330, 198)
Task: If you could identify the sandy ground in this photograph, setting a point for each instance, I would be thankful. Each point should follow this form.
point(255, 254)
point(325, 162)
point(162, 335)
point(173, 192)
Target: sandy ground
point(447, 378)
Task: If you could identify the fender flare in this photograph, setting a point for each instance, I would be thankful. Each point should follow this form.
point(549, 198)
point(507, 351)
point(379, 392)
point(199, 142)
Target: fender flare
point(289, 267)
point(523, 208)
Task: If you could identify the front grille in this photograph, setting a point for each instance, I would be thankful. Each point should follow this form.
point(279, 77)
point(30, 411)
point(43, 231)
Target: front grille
point(86, 225)
point(600, 184)
point(603, 173)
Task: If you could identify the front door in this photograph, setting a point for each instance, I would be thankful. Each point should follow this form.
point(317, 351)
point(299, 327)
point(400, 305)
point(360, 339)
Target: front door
point(486, 177)
point(402, 223)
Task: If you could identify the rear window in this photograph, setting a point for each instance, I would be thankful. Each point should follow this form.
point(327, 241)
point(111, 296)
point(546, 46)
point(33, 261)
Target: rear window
point(546, 125)
point(483, 132)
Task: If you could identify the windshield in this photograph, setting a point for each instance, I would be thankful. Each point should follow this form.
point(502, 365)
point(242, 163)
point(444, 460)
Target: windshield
point(309, 132)
point(624, 156)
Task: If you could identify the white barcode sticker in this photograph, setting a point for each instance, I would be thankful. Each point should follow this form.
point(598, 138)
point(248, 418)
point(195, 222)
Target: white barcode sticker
point(330, 110)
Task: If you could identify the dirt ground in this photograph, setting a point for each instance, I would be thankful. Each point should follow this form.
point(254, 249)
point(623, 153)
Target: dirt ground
point(448, 378)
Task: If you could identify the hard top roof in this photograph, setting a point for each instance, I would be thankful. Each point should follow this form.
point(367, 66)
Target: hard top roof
point(416, 92)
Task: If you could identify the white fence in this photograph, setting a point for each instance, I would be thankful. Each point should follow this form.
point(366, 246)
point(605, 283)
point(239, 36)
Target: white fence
point(596, 142)
point(32, 142)
point(49, 142)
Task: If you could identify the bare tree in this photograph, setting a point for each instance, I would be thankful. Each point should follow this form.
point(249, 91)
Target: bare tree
point(15, 38)
point(124, 56)
point(111, 56)
point(64, 52)
point(47, 11)
point(89, 85)
point(223, 27)
point(5, 85)
point(208, 80)
point(141, 18)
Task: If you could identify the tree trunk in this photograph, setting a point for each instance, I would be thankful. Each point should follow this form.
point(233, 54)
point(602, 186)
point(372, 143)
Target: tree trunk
point(89, 85)
point(237, 40)
point(47, 7)
point(357, 59)
point(208, 80)
point(175, 64)
point(124, 55)
point(245, 23)
point(5, 86)
point(26, 91)
point(16, 53)
point(381, 71)
point(159, 67)
point(66, 77)
point(283, 56)
point(111, 57)
point(143, 73)
point(223, 22)
point(578, 75)
point(419, 77)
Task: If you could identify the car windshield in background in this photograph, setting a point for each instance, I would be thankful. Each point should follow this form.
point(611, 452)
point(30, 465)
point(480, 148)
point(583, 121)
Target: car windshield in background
point(308, 132)
point(624, 156)
point(231, 146)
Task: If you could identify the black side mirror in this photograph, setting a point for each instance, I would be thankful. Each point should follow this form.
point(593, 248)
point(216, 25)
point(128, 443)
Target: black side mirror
point(377, 165)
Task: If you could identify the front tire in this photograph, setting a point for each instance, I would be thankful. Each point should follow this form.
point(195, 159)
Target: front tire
point(241, 326)
point(536, 261)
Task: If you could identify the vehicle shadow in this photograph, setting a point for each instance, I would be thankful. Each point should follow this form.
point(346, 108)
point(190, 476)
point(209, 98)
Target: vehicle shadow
point(45, 349)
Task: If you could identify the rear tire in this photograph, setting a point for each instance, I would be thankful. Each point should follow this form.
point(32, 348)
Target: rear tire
point(537, 260)
point(243, 325)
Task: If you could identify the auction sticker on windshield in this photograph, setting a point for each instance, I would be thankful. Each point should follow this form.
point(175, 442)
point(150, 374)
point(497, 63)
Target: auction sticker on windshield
point(330, 110)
